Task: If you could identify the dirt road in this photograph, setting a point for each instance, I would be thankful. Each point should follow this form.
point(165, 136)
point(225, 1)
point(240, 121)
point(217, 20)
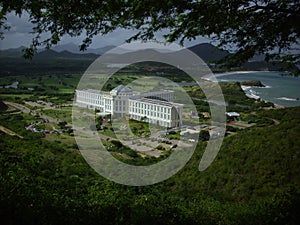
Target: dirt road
point(9, 132)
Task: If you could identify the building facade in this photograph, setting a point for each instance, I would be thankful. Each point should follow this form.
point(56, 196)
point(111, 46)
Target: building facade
point(153, 107)
point(157, 112)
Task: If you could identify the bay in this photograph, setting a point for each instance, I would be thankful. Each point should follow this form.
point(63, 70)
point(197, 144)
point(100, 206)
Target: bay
point(280, 88)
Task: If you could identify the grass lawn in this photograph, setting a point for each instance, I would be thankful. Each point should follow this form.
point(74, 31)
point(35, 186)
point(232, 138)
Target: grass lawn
point(62, 83)
point(51, 126)
point(61, 113)
point(18, 96)
point(108, 132)
point(66, 90)
point(63, 138)
point(139, 128)
point(143, 85)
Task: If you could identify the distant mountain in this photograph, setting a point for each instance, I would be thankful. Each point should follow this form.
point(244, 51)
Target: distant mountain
point(73, 48)
point(19, 49)
point(45, 62)
point(51, 54)
point(70, 47)
point(100, 51)
point(209, 52)
point(46, 54)
point(11, 60)
point(257, 58)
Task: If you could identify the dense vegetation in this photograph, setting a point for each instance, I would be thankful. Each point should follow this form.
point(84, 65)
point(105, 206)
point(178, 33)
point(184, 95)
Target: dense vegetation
point(233, 94)
point(254, 180)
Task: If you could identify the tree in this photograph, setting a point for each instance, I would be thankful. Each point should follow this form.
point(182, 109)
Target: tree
point(204, 135)
point(251, 27)
point(62, 124)
point(117, 143)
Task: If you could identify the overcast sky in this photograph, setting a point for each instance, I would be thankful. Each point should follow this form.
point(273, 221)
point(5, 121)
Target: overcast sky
point(19, 35)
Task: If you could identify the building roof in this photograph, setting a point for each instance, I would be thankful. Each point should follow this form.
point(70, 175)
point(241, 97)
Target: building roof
point(157, 102)
point(152, 94)
point(121, 89)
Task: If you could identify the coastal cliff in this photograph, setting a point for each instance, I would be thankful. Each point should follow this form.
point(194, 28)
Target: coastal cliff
point(254, 83)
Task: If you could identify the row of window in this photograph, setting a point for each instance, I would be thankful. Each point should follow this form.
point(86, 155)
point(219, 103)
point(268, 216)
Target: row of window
point(92, 101)
point(108, 107)
point(140, 105)
point(99, 101)
point(107, 102)
point(120, 102)
point(150, 113)
point(120, 108)
point(89, 95)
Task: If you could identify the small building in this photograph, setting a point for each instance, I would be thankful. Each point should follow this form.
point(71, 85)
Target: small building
point(194, 114)
point(233, 114)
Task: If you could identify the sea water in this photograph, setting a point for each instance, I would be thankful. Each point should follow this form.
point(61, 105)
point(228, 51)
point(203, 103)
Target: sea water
point(280, 88)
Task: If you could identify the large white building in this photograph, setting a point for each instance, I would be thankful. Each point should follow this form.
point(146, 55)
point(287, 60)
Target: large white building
point(154, 107)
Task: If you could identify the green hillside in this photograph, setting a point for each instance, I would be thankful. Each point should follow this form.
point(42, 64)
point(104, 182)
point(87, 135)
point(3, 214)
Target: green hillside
point(254, 163)
point(254, 180)
point(44, 63)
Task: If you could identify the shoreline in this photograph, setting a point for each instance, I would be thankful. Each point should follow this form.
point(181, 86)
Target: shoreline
point(256, 92)
point(214, 76)
point(240, 72)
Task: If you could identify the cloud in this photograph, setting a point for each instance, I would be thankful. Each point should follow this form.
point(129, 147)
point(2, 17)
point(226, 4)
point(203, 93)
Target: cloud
point(18, 24)
point(21, 28)
point(20, 34)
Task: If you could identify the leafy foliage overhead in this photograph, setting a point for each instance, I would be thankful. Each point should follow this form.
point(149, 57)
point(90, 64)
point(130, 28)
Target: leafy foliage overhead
point(257, 26)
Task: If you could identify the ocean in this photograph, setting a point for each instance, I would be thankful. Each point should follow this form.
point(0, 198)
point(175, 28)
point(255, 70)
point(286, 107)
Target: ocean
point(280, 88)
